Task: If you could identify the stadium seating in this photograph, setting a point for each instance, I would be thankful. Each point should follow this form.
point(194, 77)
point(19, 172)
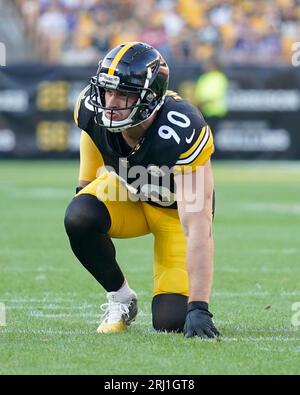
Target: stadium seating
point(80, 31)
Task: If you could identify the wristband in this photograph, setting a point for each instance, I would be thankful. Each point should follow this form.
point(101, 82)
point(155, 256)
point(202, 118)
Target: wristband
point(197, 305)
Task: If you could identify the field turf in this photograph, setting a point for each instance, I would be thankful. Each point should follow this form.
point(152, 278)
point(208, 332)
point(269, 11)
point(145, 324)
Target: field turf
point(52, 304)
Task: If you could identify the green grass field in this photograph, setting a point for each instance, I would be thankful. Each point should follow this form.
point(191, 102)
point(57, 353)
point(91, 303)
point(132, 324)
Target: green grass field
point(52, 303)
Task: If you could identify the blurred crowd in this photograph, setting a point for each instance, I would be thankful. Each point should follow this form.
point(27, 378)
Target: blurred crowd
point(79, 32)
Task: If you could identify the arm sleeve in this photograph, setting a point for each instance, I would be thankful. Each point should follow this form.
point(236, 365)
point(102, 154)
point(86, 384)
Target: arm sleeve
point(90, 158)
point(197, 154)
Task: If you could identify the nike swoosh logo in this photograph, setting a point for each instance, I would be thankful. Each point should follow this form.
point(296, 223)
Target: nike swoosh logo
point(188, 140)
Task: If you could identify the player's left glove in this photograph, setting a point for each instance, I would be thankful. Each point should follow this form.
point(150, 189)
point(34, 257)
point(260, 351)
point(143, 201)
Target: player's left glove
point(199, 322)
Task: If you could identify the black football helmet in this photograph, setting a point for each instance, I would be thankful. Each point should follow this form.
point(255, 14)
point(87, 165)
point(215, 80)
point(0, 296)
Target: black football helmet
point(132, 67)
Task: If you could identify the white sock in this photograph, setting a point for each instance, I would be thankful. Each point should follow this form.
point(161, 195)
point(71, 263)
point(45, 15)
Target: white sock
point(124, 294)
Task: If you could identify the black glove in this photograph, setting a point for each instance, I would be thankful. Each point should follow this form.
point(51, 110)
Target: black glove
point(199, 322)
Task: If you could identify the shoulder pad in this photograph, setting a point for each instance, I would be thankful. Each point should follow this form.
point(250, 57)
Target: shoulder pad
point(174, 95)
point(197, 144)
point(184, 119)
point(185, 125)
point(83, 111)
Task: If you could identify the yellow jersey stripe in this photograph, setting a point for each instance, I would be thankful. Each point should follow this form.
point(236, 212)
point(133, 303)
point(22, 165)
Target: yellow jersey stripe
point(197, 151)
point(194, 146)
point(118, 57)
point(77, 105)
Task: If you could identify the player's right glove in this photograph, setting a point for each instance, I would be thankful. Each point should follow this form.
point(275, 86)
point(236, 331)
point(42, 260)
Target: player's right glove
point(199, 322)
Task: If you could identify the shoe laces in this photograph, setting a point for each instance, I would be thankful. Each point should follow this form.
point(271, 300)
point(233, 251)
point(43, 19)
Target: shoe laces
point(114, 311)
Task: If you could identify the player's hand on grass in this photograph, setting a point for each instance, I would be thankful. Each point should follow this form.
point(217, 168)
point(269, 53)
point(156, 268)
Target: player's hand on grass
point(199, 322)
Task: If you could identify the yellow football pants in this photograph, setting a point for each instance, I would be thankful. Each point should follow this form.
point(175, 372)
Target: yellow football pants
point(136, 218)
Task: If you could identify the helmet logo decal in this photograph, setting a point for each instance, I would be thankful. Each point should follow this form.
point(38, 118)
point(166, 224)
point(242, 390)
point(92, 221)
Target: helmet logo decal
point(108, 81)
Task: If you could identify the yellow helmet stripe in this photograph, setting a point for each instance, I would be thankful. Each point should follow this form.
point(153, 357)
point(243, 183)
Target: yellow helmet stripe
point(118, 57)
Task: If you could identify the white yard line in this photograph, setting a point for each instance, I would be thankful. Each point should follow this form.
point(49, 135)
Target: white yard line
point(33, 270)
point(39, 314)
point(271, 207)
point(48, 331)
point(69, 303)
point(247, 339)
point(36, 193)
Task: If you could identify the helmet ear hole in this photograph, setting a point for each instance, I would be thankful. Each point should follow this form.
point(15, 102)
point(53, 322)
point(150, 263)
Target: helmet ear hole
point(145, 113)
point(150, 97)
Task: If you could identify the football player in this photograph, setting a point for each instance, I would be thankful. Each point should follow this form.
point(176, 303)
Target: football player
point(142, 151)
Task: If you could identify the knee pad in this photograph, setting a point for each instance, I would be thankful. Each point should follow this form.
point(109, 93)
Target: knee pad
point(169, 312)
point(85, 213)
point(174, 280)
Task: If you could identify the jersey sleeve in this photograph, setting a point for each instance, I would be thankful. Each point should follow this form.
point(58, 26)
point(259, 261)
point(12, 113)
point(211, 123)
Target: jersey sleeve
point(196, 152)
point(90, 158)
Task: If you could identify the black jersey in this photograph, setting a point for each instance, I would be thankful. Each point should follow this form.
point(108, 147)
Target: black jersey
point(178, 139)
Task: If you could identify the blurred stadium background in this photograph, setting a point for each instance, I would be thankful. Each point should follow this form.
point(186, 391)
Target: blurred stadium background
point(53, 47)
point(246, 51)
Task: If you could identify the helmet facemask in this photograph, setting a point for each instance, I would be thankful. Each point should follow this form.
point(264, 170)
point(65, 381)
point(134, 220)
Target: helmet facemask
point(147, 102)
